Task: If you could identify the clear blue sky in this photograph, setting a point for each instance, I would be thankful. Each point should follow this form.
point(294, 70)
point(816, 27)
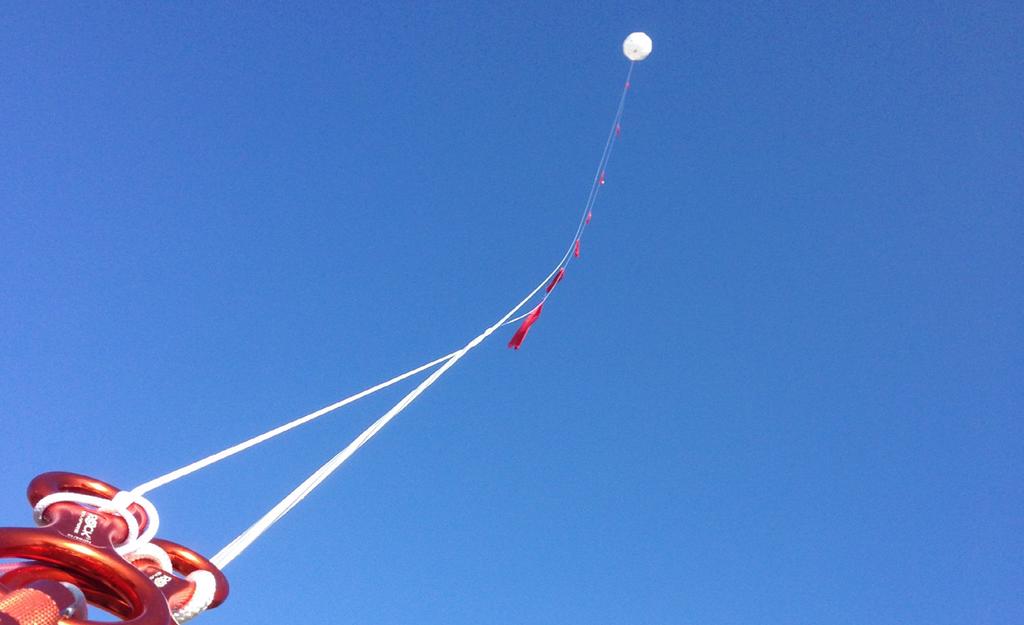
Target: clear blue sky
point(783, 386)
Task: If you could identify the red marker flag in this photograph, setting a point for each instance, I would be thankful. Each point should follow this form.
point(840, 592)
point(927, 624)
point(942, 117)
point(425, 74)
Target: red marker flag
point(558, 278)
point(576, 249)
point(590, 215)
point(618, 130)
point(517, 338)
point(601, 180)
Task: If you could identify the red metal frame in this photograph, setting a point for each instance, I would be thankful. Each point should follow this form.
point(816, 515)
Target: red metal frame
point(63, 551)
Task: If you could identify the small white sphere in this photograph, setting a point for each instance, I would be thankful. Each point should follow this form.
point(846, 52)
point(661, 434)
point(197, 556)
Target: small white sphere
point(637, 46)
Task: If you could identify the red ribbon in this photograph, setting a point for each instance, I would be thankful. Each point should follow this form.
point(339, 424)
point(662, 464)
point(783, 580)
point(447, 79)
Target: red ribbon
point(517, 338)
point(558, 278)
point(576, 249)
point(590, 215)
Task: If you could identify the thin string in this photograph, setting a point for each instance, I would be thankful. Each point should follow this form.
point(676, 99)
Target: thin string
point(275, 514)
point(291, 425)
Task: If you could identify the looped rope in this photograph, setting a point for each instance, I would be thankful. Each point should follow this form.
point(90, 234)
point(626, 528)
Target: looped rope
point(151, 553)
point(204, 587)
point(137, 545)
point(119, 505)
point(204, 584)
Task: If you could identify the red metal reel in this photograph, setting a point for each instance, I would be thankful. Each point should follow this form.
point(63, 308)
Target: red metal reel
point(176, 591)
point(61, 551)
point(91, 567)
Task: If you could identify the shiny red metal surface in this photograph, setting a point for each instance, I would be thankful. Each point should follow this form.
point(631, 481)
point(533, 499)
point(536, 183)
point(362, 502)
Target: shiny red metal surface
point(77, 546)
point(186, 561)
point(61, 482)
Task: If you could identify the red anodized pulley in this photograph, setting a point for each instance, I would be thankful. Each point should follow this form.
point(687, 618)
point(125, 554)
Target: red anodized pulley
point(76, 546)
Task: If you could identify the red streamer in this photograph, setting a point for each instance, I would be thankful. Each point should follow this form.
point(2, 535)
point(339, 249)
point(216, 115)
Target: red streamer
point(590, 215)
point(558, 278)
point(576, 249)
point(517, 338)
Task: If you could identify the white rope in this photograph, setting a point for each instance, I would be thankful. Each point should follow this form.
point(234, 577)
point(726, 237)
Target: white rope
point(595, 187)
point(256, 440)
point(150, 552)
point(119, 505)
point(509, 319)
point(246, 538)
point(275, 514)
point(204, 587)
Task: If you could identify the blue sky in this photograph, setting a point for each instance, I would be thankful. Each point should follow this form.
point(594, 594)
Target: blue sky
point(782, 386)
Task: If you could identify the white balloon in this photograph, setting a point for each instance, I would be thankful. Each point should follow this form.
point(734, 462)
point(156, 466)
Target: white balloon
point(637, 46)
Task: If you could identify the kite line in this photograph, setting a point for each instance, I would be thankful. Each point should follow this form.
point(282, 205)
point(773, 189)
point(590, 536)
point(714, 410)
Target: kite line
point(94, 539)
point(444, 363)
